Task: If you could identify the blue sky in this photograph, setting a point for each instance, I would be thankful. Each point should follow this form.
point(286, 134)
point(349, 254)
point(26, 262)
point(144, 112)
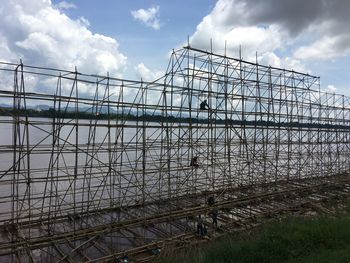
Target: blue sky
point(132, 39)
point(141, 43)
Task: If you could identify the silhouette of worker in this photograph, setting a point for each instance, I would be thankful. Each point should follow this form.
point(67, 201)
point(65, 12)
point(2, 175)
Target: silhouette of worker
point(211, 200)
point(204, 105)
point(194, 162)
point(200, 223)
point(214, 216)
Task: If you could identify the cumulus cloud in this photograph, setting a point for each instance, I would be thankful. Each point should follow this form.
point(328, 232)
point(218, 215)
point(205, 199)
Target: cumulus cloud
point(41, 34)
point(230, 22)
point(312, 29)
point(327, 47)
point(5, 53)
point(270, 58)
point(146, 74)
point(331, 88)
point(149, 17)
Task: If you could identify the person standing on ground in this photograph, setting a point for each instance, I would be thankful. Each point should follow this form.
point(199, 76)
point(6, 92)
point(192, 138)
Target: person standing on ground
point(200, 231)
point(214, 216)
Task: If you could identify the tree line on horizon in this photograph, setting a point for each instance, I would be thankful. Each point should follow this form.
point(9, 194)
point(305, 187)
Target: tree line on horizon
point(69, 114)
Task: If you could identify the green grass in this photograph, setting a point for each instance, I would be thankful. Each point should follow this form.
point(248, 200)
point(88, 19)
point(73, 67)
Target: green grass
point(295, 239)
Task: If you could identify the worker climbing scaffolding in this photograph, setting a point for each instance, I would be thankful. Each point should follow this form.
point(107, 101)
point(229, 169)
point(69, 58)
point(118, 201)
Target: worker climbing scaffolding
point(194, 162)
point(204, 105)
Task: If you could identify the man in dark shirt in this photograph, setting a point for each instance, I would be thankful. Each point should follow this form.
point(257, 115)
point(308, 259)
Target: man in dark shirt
point(194, 162)
point(204, 105)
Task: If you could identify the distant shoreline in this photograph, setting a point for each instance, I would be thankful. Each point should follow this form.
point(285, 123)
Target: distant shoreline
point(51, 113)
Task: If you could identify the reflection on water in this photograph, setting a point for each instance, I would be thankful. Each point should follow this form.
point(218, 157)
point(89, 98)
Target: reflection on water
point(85, 165)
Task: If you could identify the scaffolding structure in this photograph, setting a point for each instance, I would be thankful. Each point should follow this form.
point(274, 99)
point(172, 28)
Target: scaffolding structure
point(104, 169)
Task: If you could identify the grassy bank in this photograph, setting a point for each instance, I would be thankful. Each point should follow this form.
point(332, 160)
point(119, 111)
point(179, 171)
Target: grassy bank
point(294, 239)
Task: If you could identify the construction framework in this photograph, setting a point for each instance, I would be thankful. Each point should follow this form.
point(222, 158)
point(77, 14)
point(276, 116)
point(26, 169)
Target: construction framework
point(102, 171)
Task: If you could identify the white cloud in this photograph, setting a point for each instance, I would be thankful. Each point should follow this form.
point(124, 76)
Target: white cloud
point(331, 88)
point(228, 22)
point(271, 59)
point(149, 17)
point(43, 35)
point(282, 33)
point(84, 21)
point(5, 53)
point(146, 74)
point(324, 48)
point(66, 5)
